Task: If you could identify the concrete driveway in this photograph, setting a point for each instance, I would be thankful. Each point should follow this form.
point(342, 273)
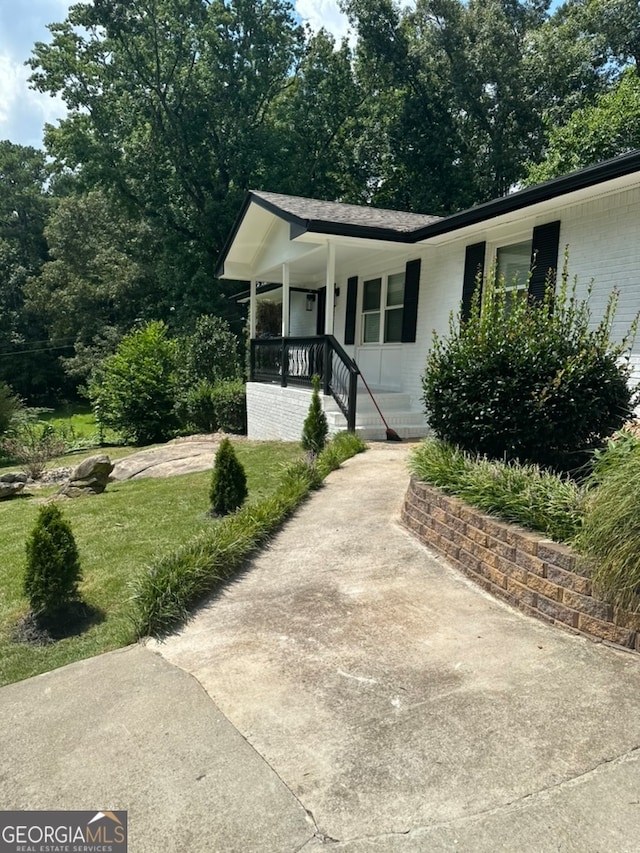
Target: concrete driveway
point(348, 691)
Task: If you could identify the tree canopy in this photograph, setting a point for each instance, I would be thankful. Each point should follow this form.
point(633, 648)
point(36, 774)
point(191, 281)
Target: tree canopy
point(177, 107)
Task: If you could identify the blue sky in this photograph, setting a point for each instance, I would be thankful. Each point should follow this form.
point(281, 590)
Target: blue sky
point(24, 112)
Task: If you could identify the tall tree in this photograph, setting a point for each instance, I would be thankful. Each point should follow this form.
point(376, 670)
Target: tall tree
point(99, 281)
point(28, 360)
point(318, 123)
point(168, 104)
point(609, 127)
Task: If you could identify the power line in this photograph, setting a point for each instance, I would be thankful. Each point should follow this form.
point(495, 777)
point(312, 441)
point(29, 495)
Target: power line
point(30, 351)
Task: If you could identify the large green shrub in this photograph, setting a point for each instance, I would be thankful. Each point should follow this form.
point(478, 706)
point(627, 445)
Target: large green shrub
point(228, 481)
point(209, 408)
point(315, 428)
point(230, 406)
point(529, 379)
point(211, 352)
point(609, 538)
point(134, 390)
point(53, 564)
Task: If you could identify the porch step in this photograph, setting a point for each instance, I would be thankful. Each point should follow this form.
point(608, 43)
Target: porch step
point(406, 421)
point(388, 401)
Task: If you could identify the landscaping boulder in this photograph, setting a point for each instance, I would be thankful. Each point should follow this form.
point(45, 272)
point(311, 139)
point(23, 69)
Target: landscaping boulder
point(11, 484)
point(90, 477)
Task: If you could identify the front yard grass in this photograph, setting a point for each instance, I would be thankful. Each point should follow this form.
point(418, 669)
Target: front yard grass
point(118, 534)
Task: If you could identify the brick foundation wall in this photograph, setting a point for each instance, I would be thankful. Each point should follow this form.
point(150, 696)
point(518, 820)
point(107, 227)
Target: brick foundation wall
point(531, 572)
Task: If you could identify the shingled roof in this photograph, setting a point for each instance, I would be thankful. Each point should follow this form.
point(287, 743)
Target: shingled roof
point(309, 210)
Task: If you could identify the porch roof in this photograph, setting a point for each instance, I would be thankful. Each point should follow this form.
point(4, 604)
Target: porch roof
point(331, 217)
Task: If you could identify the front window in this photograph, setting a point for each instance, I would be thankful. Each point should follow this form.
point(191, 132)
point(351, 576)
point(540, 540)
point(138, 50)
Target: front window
point(382, 307)
point(513, 265)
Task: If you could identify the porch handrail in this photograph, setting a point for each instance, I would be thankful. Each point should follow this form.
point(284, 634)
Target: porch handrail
point(295, 360)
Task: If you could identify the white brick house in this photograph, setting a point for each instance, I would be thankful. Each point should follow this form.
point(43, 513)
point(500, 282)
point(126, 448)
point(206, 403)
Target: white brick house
point(393, 278)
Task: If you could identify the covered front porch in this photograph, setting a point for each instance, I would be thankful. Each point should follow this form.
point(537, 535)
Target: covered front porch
point(304, 309)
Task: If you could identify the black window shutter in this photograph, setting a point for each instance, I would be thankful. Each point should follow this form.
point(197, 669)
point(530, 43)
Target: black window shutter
point(350, 319)
point(410, 312)
point(473, 268)
point(544, 256)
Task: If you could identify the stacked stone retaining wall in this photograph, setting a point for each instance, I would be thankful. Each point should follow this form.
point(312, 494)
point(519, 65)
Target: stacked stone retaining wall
point(533, 573)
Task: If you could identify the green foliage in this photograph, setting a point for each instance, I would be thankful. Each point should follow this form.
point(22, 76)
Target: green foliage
point(342, 446)
point(99, 280)
point(609, 538)
point(228, 481)
point(595, 132)
point(229, 400)
point(529, 379)
point(134, 390)
point(196, 408)
point(9, 406)
point(525, 494)
point(210, 353)
point(174, 583)
point(315, 428)
point(33, 443)
point(53, 564)
point(612, 456)
point(25, 204)
point(211, 393)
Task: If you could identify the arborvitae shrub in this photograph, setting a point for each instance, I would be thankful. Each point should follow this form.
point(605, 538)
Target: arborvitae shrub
point(315, 429)
point(228, 482)
point(529, 379)
point(53, 564)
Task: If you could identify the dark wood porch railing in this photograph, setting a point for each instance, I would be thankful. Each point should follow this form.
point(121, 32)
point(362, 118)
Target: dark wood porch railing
point(294, 361)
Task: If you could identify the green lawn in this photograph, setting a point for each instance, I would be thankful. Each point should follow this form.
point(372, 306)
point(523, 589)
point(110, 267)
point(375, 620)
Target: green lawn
point(118, 533)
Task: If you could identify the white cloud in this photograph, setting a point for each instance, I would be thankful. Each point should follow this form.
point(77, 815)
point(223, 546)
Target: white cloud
point(324, 13)
point(23, 111)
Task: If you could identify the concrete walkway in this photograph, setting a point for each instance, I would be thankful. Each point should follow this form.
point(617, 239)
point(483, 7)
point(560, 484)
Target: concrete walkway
point(349, 692)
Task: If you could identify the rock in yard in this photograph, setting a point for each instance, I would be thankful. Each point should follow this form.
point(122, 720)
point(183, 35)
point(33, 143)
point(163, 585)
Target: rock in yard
point(89, 477)
point(11, 484)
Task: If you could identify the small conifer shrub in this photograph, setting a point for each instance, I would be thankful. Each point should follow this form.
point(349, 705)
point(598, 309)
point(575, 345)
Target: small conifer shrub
point(228, 482)
point(53, 564)
point(315, 429)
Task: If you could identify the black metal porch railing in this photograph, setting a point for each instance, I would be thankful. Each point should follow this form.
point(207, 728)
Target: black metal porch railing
point(294, 361)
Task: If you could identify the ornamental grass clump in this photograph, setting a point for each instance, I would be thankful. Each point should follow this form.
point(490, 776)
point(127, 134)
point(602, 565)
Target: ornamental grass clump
point(228, 481)
point(609, 538)
point(525, 494)
point(53, 565)
point(529, 379)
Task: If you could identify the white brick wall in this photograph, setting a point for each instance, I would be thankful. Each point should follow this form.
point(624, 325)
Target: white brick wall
point(276, 413)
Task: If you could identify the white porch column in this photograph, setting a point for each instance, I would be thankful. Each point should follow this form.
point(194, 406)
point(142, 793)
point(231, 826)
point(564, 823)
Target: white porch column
point(331, 282)
point(285, 300)
point(253, 309)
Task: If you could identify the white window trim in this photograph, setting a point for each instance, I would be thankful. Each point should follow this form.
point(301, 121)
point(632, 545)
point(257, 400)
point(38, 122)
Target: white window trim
point(384, 276)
